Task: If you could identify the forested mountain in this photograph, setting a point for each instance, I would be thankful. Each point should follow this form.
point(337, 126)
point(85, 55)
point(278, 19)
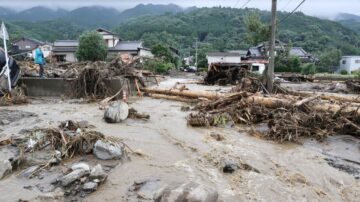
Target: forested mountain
point(149, 9)
point(92, 16)
point(223, 29)
point(349, 20)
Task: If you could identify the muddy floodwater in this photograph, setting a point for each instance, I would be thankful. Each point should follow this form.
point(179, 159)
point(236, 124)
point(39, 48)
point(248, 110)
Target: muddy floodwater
point(176, 153)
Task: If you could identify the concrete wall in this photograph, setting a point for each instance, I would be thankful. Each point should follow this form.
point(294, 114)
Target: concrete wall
point(48, 87)
point(56, 87)
point(350, 63)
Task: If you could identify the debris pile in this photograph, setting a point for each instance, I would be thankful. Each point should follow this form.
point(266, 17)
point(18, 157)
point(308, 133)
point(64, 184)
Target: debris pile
point(45, 152)
point(16, 97)
point(353, 85)
point(222, 74)
point(289, 118)
point(90, 77)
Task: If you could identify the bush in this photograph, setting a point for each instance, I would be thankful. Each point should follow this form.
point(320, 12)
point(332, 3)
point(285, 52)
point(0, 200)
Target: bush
point(158, 66)
point(91, 47)
point(308, 69)
point(344, 72)
point(356, 74)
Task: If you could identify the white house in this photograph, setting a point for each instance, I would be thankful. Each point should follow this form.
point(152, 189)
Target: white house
point(134, 48)
point(223, 57)
point(350, 63)
point(64, 50)
point(110, 38)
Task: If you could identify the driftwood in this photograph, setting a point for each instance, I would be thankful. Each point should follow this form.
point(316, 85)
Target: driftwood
point(185, 93)
point(175, 98)
point(341, 98)
point(287, 117)
point(273, 102)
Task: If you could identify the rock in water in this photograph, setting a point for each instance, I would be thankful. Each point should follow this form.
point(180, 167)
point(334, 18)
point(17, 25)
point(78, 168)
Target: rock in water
point(73, 176)
point(97, 172)
point(107, 151)
point(90, 186)
point(5, 168)
point(191, 192)
point(116, 112)
point(83, 166)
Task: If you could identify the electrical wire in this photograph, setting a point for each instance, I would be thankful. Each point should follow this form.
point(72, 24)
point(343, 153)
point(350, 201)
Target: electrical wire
point(292, 12)
point(246, 3)
point(237, 2)
point(286, 5)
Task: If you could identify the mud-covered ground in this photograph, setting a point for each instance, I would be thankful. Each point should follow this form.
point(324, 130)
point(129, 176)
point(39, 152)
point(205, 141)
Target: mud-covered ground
point(176, 153)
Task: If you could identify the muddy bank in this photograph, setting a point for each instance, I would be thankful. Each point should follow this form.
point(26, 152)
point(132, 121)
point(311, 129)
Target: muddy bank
point(176, 154)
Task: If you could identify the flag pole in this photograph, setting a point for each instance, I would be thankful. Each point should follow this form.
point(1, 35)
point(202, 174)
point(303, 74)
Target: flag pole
point(7, 71)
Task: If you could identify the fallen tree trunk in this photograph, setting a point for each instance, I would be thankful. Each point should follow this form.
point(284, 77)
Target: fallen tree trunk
point(176, 98)
point(185, 93)
point(273, 102)
point(341, 98)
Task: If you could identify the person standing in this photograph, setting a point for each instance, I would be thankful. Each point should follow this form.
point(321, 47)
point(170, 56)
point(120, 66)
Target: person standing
point(40, 60)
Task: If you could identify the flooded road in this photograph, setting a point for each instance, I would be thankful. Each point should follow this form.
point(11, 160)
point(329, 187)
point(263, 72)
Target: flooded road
point(176, 153)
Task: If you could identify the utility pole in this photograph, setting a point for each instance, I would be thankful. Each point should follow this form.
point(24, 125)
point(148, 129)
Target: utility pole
point(270, 72)
point(196, 54)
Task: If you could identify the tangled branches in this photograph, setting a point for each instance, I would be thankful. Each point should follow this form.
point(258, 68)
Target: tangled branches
point(286, 122)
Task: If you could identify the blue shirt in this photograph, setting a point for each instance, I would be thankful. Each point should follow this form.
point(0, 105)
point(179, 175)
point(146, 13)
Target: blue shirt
point(39, 57)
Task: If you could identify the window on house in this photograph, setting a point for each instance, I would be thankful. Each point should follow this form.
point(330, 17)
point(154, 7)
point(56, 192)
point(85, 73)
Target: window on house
point(344, 62)
point(357, 61)
point(27, 47)
point(255, 68)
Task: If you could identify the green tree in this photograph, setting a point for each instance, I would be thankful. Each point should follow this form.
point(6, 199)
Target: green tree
point(308, 69)
point(91, 47)
point(329, 61)
point(162, 52)
point(256, 31)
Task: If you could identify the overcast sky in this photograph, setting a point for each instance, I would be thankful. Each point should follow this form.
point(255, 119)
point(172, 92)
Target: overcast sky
point(311, 7)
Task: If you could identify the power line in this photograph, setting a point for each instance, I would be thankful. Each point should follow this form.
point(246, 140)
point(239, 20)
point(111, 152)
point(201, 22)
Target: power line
point(292, 12)
point(245, 4)
point(237, 2)
point(286, 5)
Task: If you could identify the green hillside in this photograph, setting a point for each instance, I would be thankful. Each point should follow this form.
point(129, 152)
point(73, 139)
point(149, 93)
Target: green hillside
point(223, 29)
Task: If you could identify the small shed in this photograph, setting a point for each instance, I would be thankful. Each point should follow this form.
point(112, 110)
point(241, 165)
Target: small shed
point(350, 63)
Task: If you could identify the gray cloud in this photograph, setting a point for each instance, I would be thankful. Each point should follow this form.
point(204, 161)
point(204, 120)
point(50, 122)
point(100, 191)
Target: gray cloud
point(311, 7)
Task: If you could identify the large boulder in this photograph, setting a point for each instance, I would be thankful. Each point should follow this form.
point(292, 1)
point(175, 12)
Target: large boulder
point(116, 112)
point(107, 150)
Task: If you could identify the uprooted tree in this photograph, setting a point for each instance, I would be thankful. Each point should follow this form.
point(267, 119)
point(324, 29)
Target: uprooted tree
point(91, 47)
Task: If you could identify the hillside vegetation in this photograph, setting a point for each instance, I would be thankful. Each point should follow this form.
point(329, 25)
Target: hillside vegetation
point(223, 29)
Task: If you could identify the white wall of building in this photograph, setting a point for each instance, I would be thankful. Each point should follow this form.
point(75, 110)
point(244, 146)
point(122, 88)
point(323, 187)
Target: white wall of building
point(146, 53)
point(350, 63)
point(258, 67)
point(223, 59)
point(110, 39)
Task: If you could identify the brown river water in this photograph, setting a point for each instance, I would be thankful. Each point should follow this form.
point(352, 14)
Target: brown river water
point(176, 153)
